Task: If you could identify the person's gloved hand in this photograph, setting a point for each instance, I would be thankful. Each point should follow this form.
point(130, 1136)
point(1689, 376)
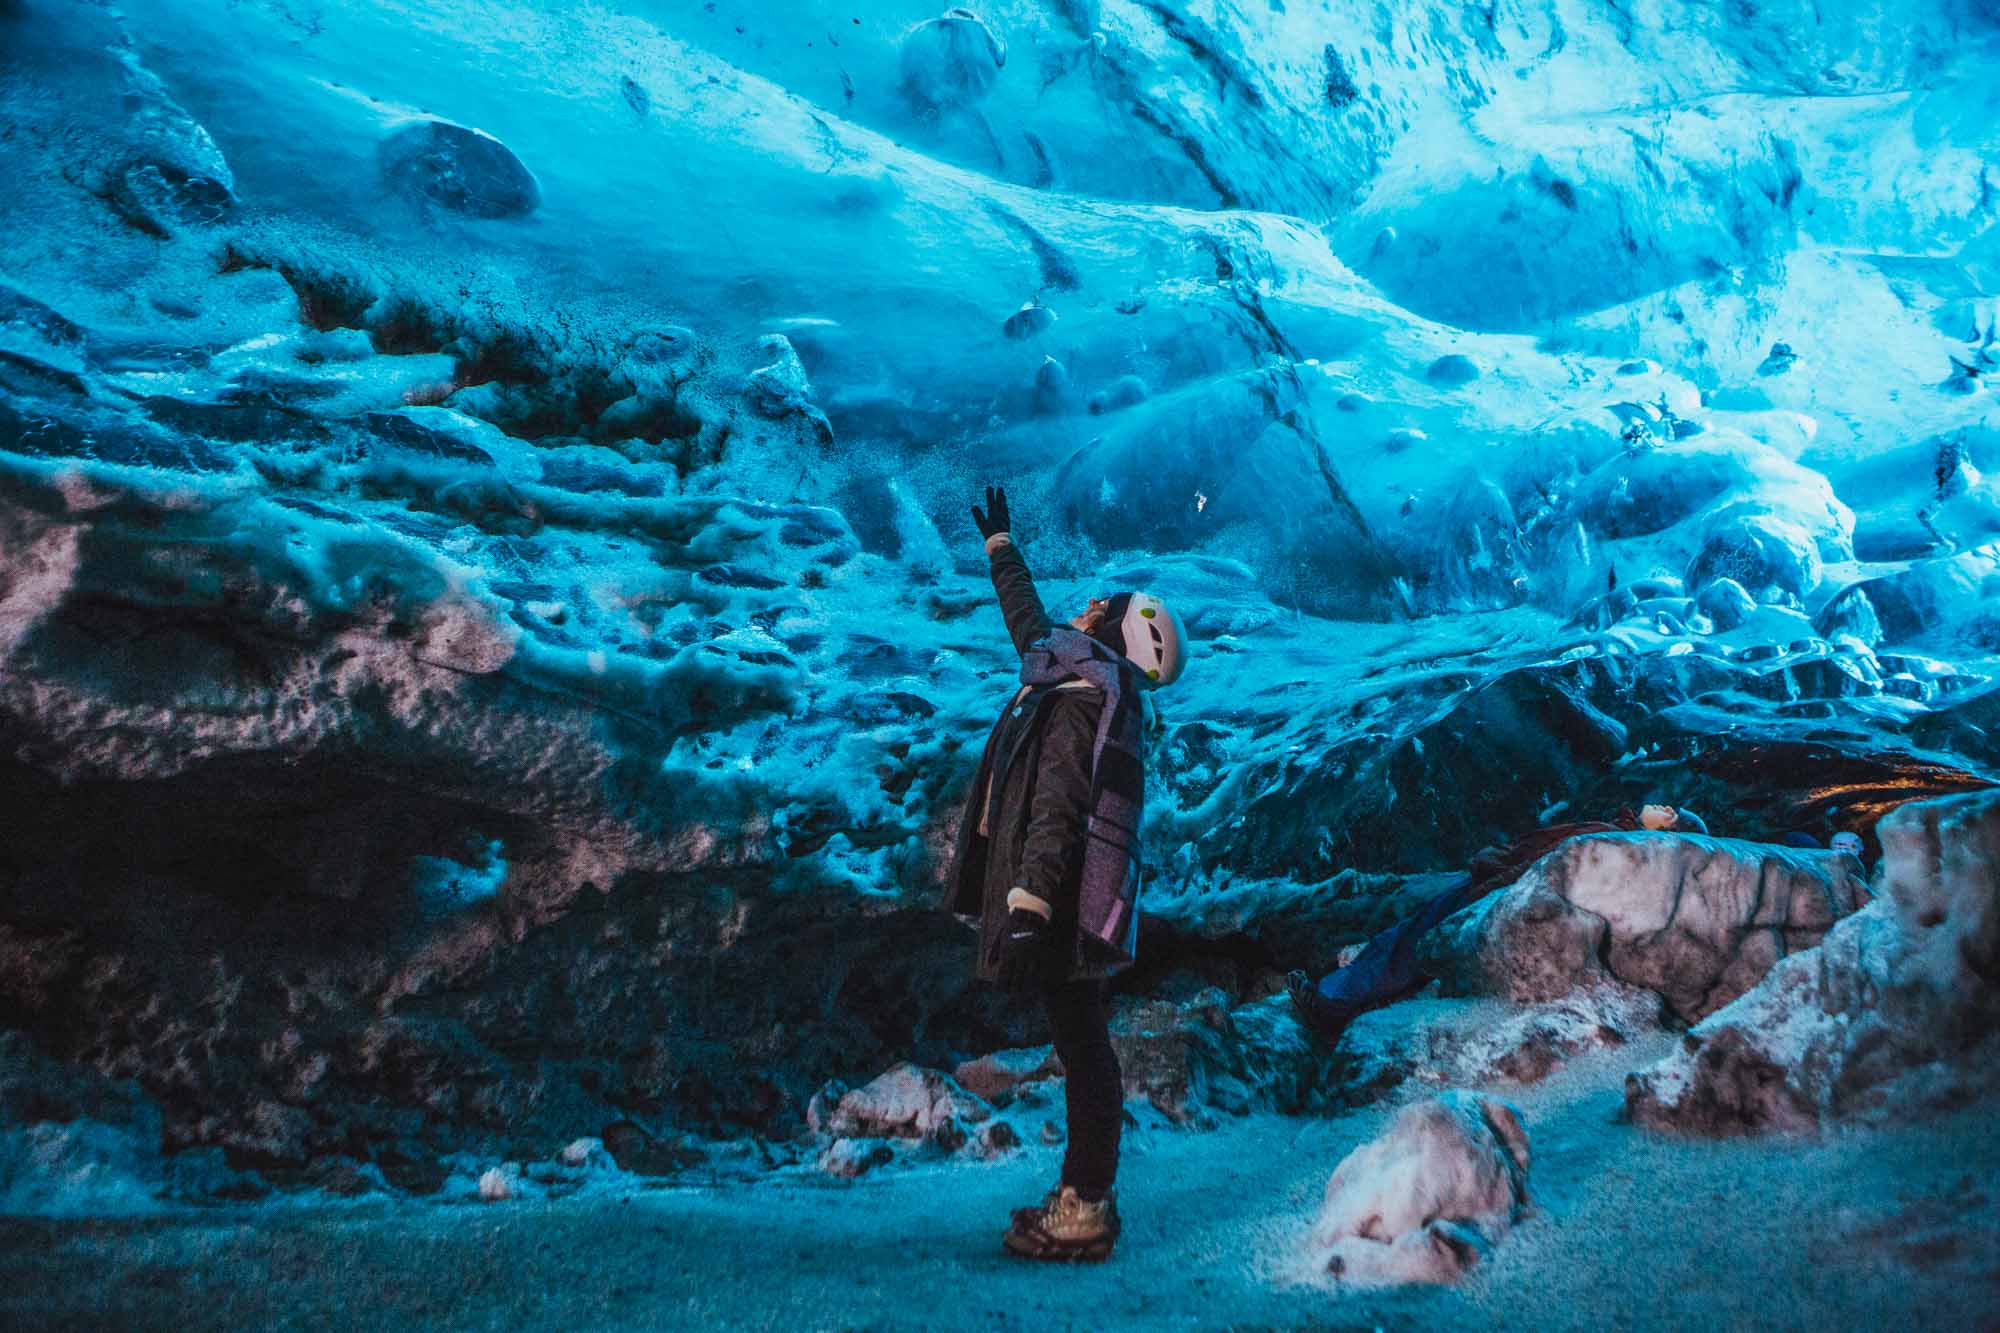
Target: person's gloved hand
point(994, 518)
point(1021, 953)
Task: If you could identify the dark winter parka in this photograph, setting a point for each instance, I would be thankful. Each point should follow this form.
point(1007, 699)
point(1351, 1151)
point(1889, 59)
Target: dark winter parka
point(1048, 790)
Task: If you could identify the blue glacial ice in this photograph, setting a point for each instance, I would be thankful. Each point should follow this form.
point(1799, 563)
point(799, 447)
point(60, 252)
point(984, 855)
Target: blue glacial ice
point(483, 488)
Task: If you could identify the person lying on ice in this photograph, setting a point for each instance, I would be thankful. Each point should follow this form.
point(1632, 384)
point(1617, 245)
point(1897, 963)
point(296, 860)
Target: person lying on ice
point(1387, 967)
point(1047, 864)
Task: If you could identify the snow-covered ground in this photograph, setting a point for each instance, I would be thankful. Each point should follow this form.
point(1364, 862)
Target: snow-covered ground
point(1868, 1229)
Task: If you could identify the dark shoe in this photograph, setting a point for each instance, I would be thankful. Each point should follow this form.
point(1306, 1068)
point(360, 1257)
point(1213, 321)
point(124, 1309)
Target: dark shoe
point(1317, 1014)
point(1066, 1228)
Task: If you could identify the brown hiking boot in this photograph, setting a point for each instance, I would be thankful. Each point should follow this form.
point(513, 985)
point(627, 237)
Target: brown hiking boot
point(1065, 1227)
point(1024, 1218)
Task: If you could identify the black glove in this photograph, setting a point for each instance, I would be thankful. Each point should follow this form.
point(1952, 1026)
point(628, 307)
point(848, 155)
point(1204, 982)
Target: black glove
point(994, 518)
point(1021, 953)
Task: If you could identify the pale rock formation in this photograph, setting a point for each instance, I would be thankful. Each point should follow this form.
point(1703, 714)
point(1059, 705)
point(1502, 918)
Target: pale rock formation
point(907, 1102)
point(1698, 920)
point(1423, 1200)
point(1459, 1042)
point(1898, 1010)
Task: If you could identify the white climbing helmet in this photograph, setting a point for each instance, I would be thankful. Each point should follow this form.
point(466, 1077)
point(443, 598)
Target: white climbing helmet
point(1154, 639)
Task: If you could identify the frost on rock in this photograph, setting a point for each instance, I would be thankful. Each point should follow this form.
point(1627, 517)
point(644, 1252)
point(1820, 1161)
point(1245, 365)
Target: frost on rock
point(1427, 1197)
point(1896, 1012)
point(908, 1102)
point(1456, 1042)
point(1697, 920)
point(1193, 1058)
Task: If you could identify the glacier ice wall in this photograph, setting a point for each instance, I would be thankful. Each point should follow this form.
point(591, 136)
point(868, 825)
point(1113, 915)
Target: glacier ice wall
point(489, 638)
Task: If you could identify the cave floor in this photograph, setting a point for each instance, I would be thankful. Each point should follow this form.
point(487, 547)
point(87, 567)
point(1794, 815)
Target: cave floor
point(1628, 1230)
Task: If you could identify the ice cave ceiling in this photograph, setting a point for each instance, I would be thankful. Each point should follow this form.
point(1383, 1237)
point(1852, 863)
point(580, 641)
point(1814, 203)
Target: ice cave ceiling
point(466, 464)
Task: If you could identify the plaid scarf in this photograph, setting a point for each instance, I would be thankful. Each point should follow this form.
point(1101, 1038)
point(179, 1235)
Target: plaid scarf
point(1108, 891)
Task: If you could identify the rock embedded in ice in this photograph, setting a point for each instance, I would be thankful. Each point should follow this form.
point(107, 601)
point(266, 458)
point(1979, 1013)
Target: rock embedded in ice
point(1452, 369)
point(1698, 920)
point(1655, 491)
point(1779, 360)
point(497, 1183)
point(639, 1151)
point(1895, 1013)
point(203, 1175)
point(951, 60)
point(660, 357)
point(63, 1168)
point(459, 169)
point(1031, 319)
point(1925, 602)
point(1725, 603)
point(996, 1139)
point(1426, 1198)
point(345, 1178)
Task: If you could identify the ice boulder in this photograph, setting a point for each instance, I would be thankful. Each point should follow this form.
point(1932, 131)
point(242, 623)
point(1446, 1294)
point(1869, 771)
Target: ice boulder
point(1726, 603)
point(1716, 477)
point(1929, 601)
point(459, 169)
point(1452, 369)
point(1696, 920)
point(1898, 1009)
point(175, 173)
point(1423, 1200)
point(1756, 551)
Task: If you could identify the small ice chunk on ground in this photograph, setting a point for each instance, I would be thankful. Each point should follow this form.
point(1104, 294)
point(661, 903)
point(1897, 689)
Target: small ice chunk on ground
point(1425, 1198)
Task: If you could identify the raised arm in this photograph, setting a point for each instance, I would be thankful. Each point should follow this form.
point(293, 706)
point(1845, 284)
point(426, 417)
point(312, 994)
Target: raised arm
point(1027, 621)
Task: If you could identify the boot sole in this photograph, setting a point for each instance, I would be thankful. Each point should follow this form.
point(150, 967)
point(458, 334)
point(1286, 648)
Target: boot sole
point(1028, 1247)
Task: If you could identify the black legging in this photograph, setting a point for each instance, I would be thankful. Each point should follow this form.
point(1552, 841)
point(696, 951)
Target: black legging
point(1094, 1089)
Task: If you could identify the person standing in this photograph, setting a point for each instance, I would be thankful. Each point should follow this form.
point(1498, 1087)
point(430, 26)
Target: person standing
point(1047, 863)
